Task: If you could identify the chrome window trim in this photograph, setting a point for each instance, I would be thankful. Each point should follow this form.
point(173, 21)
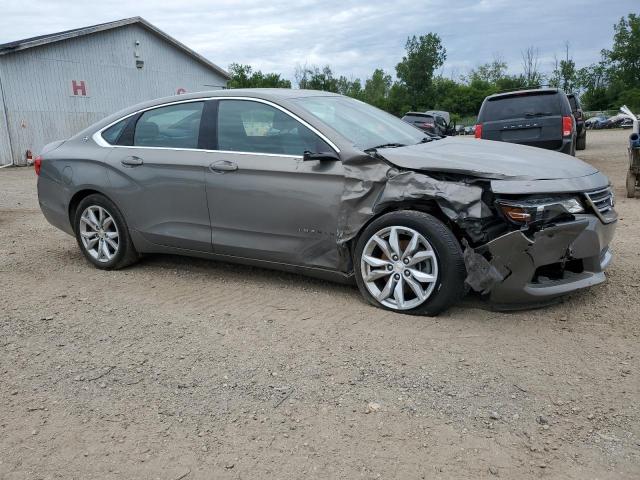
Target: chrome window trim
point(99, 140)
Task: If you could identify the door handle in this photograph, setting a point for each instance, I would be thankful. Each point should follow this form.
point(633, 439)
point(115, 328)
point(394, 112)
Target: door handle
point(132, 161)
point(223, 166)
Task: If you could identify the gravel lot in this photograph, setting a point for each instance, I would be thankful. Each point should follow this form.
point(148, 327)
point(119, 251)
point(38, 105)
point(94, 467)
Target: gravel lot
point(186, 369)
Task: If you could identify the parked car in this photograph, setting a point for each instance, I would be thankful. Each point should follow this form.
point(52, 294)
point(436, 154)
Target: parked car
point(591, 123)
point(426, 122)
point(443, 120)
point(578, 116)
point(540, 118)
point(470, 130)
point(325, 185)
point(626, 123)
point(459, 130)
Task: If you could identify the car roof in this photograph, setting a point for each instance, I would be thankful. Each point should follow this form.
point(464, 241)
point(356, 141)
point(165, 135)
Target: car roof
point(530, 91)
point(263, 93)
point(270, 94)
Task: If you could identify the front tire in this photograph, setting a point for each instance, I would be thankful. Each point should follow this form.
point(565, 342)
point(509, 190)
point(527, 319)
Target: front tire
point(102, 233)
point(409, 262)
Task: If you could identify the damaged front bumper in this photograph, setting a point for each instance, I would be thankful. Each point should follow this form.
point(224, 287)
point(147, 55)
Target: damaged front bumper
point(518, 269)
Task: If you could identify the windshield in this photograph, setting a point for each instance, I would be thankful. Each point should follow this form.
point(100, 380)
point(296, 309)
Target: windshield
point(363, 125)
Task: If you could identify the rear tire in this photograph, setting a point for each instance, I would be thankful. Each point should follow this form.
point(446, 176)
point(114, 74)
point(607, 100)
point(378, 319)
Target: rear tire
point(409, 262)
point(632, 179)
point(102, 233)
point(581, 143)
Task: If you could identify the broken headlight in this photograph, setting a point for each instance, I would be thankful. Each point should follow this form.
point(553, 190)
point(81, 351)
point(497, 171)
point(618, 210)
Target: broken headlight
point(539, 210)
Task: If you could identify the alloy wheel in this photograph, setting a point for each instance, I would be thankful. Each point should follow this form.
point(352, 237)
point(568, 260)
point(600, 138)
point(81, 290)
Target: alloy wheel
point(399, 267)
point(99, 233)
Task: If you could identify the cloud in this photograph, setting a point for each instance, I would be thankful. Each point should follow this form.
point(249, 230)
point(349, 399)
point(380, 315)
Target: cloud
point(353, 36)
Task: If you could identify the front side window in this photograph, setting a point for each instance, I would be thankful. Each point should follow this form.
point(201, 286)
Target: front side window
point(248, 126)
point(173, 126)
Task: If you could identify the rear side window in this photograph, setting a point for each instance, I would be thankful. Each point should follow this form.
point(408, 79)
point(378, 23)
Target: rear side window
point(112, 134)
point(173, 126)
point(521, 106)
point(573, 102)
point(248, 126)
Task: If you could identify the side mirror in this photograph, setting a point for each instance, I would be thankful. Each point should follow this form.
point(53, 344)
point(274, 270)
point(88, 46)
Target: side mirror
point(321, 156)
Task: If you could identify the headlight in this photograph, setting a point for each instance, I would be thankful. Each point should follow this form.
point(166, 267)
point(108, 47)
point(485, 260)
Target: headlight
point(543, 209)
point(572, 205)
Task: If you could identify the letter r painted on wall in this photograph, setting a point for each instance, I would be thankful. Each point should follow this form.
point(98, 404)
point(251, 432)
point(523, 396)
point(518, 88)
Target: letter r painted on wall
point(79, 88)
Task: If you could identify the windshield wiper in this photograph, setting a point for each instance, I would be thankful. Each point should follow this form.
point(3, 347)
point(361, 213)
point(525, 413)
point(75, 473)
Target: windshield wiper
point(384, 145)
point(428, 139)
point(537, 114)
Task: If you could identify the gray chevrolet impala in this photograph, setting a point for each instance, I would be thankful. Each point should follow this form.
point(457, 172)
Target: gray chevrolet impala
point(328, 186)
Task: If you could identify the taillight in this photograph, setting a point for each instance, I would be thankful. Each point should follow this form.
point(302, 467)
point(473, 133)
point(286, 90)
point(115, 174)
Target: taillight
point(478, 133)
point(567, 126)
point(37, 164)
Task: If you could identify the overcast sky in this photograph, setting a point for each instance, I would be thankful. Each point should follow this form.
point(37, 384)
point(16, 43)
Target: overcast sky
point(353, 36)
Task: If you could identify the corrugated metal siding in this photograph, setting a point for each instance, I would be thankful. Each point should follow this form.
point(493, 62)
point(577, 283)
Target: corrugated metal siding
point(38, 83)
point(5, 149)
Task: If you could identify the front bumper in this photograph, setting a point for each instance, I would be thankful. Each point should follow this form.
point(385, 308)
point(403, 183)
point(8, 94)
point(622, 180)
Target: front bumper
point(577, 252)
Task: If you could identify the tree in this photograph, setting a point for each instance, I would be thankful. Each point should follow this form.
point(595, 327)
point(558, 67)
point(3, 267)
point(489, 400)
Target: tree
point(243, 76)
point(624, 57)
point(424, 55)
point(489, 72)
point(532, 76)
point(314, 78)
point(564, 72)
point(350, 88)
point(376, 89)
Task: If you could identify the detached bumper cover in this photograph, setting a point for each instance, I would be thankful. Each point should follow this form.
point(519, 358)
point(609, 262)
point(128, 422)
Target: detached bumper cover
point(510, 274)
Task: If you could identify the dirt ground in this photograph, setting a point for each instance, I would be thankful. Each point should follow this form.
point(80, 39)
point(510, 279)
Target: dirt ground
point(188, 369)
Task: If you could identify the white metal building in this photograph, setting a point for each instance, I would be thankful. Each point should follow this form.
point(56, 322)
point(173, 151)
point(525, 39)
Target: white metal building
point(55, 85)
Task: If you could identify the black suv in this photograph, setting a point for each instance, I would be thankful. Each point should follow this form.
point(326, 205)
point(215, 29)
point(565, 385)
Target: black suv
point(433, 124)
point(581, 131)
point(539, 118)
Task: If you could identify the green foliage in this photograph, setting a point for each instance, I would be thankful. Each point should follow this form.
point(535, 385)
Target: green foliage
point(624, 57)
point(316, 78)
point(424, 55)
point(243, 76)
point(615, 80)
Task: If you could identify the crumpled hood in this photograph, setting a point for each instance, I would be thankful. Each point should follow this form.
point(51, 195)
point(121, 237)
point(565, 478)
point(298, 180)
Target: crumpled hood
point(487, 159)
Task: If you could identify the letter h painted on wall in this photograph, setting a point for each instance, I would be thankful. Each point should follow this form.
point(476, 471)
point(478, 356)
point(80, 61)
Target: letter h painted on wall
point(79, 88)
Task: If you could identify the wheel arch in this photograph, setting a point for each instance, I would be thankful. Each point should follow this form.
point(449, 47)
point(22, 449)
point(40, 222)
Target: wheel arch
point(425, 206)
point(77, 197)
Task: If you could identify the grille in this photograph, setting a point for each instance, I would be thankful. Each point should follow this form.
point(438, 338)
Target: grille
point(601, 200)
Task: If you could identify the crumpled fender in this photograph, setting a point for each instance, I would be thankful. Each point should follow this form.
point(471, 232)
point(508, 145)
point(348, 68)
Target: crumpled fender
point(371, 184)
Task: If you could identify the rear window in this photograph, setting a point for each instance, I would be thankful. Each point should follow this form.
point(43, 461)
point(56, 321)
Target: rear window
point(418, 118)
point(521, 106)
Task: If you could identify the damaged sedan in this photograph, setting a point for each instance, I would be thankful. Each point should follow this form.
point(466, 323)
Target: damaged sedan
point(325, 185)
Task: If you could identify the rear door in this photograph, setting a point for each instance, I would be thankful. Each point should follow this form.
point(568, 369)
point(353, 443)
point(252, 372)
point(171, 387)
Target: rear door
point(265, 202)
point(526, 118)
point(157, 171)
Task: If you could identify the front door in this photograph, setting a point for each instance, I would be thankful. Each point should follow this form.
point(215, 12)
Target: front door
point(265, 202)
